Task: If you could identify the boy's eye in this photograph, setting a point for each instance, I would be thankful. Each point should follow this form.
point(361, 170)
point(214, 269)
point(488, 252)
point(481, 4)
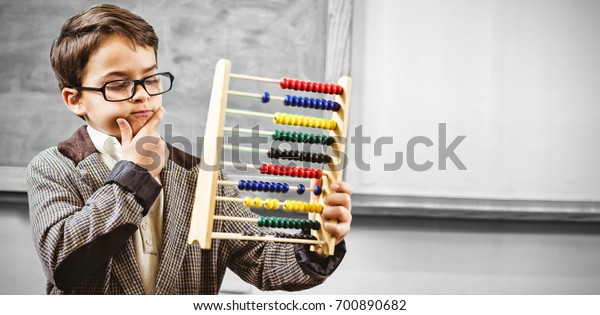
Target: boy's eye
point(152, 80)
point(118, 85)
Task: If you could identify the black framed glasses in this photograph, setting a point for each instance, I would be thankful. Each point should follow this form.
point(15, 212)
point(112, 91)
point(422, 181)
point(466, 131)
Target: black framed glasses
point(124, 89)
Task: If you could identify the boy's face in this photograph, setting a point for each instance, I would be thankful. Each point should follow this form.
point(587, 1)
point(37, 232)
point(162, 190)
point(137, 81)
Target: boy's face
point(116, 58)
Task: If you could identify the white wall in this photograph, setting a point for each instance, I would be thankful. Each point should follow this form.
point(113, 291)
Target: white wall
point(519, 78)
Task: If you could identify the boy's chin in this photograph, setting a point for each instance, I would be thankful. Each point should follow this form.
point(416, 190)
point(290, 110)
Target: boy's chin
point(137, 125)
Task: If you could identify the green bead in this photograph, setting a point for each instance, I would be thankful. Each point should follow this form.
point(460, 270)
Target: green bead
point(261, 221)
point(315, 225)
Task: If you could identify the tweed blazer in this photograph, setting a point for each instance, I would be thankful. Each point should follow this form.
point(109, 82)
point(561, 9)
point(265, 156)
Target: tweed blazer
point(83, 229)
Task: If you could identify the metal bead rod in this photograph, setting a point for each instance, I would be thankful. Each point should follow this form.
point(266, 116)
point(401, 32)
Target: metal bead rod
point(248, 113)
point(235, 183)
point(248, 131)
point(253, 78)
point(233, 236)
point(254, 95)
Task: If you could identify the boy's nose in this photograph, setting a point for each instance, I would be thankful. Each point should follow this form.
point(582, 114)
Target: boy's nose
point(140, 94)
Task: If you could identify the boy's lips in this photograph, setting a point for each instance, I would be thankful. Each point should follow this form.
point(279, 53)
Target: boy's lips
point(143, 113)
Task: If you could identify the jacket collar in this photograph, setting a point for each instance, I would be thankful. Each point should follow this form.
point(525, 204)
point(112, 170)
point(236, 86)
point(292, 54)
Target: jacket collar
point(80, 146)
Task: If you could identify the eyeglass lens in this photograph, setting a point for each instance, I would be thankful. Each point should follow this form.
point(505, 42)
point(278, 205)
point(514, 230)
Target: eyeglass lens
point(124, 89)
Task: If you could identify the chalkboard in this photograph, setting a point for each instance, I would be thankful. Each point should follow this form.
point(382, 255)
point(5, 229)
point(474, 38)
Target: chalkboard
point(272, 38)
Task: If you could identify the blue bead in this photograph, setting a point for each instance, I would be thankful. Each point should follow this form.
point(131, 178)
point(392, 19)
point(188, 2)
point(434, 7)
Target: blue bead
point(266, 97)
point(286, 187)
point(242, 185)
point(254, 185)
point(305, 102)
point(267, 186)
point(294, 100)
point(336, 106)
point(317, 190)
point(313, 102)
point(321, 104)
point(301, 189)
point(279, 187)
point(261, 186)
point(329, 105)
point(288, 100)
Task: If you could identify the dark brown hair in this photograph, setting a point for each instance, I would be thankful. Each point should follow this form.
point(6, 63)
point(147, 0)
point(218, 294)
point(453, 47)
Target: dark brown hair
point(83, 33)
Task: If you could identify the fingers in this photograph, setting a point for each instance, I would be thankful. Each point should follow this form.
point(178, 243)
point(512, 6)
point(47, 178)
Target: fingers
point(339, 213)
point(342, 187)
point(126, 132)
point(340, 224)
point(154, 121)
point(339, 199)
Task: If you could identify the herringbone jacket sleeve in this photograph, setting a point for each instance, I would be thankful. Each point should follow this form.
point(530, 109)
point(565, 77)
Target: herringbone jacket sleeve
point(266, 265)
point(76, 227)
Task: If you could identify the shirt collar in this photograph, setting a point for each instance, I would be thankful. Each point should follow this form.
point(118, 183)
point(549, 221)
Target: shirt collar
point(106, 144)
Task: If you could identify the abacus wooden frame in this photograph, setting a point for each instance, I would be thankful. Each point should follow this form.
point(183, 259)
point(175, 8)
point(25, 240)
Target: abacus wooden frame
point(203, 213)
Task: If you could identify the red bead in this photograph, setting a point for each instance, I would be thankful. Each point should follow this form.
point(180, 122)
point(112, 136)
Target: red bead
point(309, 86)
point(306, 173)
point(315, 87)
point(263, 169)
point(270, 169)
point(327, 89)
point(302, 85)
point(283, 83)
point(312, 173)
point(339, 89)
point(318, 174)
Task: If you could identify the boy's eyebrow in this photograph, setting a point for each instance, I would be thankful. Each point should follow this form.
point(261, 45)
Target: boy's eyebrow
point(124, 74)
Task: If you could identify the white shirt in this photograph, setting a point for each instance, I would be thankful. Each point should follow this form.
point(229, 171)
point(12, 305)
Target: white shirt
point(148, 238)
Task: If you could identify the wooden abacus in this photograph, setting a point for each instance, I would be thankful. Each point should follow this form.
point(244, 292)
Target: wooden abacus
point(203, 214)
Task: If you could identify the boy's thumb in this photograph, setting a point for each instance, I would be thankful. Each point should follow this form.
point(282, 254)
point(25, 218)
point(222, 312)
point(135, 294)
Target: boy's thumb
point(126, 132)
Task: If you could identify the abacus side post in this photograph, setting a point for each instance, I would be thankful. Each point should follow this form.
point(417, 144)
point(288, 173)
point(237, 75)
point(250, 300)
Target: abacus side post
point(336, 166)
point(201, 226)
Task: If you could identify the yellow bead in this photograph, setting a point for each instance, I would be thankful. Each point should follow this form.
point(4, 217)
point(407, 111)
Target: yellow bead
point(319, 208)
point(248, 201)
point(275, 204)
point(268, 204)
point(311, 207)
point(303, 121)
point(287, 205)
point(333, 125)
point(258, 202)
point(300, 207)
point(277, 117)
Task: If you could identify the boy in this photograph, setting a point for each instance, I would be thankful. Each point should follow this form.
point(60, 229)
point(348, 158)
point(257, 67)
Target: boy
point(111, 206)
